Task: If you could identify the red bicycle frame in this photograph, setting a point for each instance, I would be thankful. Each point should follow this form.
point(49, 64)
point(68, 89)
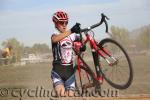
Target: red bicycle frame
point(96, 50)
point(94, 47)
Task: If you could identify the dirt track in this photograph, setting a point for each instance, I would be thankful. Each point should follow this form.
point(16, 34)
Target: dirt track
point(38, 75)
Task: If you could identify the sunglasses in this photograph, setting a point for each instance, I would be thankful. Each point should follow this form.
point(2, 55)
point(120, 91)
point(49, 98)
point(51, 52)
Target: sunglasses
point(63, 22)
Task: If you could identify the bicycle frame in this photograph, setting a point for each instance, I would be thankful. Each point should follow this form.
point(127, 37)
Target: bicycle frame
point(95, 52)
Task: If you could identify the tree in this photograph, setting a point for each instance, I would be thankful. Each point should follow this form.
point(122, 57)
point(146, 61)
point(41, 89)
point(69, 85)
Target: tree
point(121, 34)
point(40, 48)
point(17, 47)
point(143, 40)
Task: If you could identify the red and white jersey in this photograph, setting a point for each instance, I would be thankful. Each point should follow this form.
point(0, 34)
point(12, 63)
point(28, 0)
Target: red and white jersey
point(62, 50)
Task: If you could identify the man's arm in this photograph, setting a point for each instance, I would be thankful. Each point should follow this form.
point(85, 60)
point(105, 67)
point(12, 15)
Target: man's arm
point(56, 38)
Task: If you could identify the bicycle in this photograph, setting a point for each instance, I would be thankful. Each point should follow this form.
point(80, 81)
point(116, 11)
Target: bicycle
point(107, 51)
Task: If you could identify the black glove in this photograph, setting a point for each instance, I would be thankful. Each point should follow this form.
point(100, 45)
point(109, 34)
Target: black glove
point(76, 28)
point(83, 48)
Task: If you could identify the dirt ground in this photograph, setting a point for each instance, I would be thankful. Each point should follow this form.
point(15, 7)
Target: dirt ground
point(33, 82)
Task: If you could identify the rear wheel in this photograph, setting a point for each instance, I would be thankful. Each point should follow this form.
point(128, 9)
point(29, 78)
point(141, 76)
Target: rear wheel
point(120, 74)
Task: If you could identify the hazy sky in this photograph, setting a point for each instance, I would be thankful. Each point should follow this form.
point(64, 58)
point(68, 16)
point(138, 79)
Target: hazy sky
point(29, 21)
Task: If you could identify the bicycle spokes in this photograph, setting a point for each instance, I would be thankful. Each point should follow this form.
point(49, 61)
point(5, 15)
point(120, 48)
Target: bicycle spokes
point(116, 67)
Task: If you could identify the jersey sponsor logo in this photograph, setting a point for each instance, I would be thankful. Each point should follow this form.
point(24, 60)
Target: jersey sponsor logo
point(66, 50)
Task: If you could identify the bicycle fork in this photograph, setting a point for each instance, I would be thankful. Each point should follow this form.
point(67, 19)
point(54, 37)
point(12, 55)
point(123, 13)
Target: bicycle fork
point(113, 61)
point(101, 51)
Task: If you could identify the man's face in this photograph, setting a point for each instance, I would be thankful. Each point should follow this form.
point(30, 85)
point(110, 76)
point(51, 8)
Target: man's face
point(62, 25)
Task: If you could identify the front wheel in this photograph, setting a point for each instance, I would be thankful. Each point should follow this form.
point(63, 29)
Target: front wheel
point(120, 74)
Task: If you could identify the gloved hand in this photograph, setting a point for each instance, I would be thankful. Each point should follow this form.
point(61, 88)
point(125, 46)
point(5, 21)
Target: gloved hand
point(83, 48)
point(76, 28)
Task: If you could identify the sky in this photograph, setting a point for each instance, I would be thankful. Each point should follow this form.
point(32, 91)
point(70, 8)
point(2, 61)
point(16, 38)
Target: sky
point(29, 21)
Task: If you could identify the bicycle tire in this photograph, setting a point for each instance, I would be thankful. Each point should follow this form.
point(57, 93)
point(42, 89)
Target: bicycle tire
point(127, 83)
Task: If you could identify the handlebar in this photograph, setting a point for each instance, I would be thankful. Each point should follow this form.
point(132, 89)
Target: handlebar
point(104, 19)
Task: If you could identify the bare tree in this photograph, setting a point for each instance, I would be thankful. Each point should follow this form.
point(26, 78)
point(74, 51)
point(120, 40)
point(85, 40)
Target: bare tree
point(143, 40)
point(121, 35)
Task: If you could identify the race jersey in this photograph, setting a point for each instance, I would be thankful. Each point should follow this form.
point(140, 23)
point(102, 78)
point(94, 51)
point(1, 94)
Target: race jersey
point(62, 50)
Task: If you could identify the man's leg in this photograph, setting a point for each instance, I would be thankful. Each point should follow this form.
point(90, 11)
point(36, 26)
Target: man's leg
point(70, 93)
point(60, 90)
point(70, 86)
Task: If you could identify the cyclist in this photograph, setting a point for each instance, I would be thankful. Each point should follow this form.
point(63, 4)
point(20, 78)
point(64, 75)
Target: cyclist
point(62, 73)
